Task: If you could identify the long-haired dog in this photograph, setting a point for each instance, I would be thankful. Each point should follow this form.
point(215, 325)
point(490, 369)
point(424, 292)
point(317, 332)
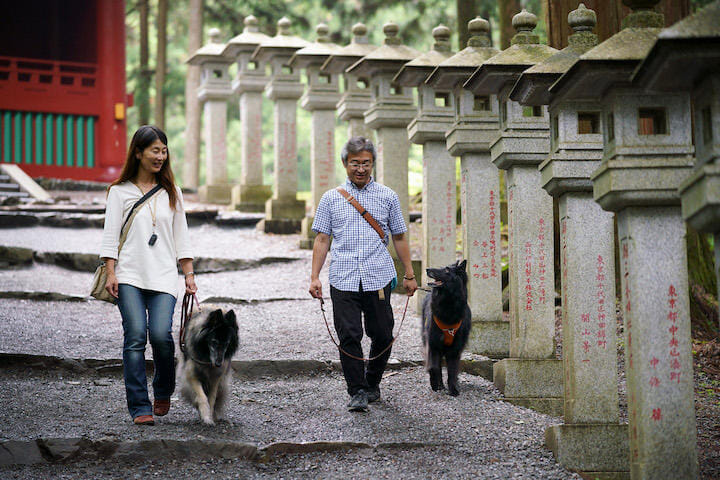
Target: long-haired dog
point(204, 370)
point(446, 324)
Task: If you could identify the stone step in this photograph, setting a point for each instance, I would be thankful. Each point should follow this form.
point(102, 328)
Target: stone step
point(4, 178)
point(267, 420)
point(17, 194)
point(8, 187)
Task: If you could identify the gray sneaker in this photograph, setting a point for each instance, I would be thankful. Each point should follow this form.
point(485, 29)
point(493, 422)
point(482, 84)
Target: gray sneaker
point(359, 402)
point(374, 394)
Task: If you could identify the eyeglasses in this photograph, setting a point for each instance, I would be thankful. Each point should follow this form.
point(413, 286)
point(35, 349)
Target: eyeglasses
point(355, 165)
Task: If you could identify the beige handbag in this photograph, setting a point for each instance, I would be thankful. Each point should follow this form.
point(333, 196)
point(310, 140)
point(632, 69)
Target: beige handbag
point(100, 279)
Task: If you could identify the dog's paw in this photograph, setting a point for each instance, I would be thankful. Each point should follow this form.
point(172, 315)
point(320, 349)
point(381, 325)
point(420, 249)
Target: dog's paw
point(437, 387)
point(207, 420)
point(453, 392)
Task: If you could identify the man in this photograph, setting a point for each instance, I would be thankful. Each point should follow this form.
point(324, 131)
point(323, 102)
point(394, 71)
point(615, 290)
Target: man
point(361, 268)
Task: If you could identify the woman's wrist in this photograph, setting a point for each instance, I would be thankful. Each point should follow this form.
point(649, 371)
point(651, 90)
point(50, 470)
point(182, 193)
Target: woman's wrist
point(189, 274)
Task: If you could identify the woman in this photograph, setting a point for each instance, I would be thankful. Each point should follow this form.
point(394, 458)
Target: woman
point(143, 276)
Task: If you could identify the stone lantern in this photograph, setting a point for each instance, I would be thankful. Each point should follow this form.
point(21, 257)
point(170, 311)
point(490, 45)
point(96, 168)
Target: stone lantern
point(475, 123)
point(531, 376)
point(587, 260)
point(320, 98)
point(283, 212)
point(356, 99)
point(679, 61)
point(647, 154)
point(250, 195)
point(435, 115)
point(390, 112)
point(214, 91)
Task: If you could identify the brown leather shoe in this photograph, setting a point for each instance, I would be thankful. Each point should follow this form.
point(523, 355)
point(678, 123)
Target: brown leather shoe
point(161, 407)
point(144, 420)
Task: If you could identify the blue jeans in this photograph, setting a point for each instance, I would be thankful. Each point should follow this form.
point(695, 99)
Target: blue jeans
point(146, 311)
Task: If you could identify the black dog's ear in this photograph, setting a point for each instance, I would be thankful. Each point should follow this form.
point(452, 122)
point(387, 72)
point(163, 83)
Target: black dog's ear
point(215, 316)
point(230, 319)
point(461, 265)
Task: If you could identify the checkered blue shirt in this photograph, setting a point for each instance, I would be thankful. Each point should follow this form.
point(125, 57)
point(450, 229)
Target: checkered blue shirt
point(357, 253)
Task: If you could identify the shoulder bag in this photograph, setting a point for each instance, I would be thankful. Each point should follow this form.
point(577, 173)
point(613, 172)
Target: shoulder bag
point(100, 279)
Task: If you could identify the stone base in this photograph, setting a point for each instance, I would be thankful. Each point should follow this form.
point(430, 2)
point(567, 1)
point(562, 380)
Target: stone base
point(596, 448)
point(285, 209)
point(282, 226)
point(536, 384)
point(250, 198)
point(417, 268)
point(308, 236)
point(216, 193)
point(481, 368)
point(491, 339)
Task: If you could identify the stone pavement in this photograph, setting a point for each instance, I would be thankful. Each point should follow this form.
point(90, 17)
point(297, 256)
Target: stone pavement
point(63, 400)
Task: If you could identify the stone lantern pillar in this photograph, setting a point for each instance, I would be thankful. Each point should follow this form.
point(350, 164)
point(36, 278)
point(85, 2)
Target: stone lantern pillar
point(531, 376)
point(678, 62)
point(283, 212)
point(390, 112)
point(320, 98)
point(356, 99)
point(214, 91)
point(475, 124)
point(434, 116)
point(591, 439)
point(250, 195)
point(647, 154)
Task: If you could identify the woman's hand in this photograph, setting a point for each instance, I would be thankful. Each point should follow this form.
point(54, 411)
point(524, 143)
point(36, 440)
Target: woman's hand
point(190, 286)
point(112, 284)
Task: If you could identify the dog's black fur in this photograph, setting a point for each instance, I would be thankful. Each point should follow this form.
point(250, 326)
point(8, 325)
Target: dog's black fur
point(211, 340)
point(448, 302)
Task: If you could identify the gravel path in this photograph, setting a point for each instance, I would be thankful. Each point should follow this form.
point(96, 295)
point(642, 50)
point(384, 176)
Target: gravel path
point(207, 241)
point(297, 409)
point(281, 330)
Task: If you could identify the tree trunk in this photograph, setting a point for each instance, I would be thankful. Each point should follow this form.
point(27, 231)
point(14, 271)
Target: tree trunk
point(192, 104)
point(609, 17)
point(507, 9)
point(143, 89)
point(160, 63)
point(466, 11)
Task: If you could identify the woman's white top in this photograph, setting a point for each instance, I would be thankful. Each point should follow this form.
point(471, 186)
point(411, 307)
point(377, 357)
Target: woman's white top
point(150, 267)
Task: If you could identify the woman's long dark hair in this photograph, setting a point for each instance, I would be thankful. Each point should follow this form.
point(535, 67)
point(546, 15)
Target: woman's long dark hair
point(143, 138)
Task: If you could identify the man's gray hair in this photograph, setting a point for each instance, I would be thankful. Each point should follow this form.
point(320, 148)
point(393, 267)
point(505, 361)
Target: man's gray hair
point(357, 145)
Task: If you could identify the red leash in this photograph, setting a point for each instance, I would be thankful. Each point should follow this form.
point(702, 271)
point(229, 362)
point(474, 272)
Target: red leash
point(322, 308)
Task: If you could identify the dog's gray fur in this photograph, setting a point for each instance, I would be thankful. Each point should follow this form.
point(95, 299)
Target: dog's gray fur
point(204, 369)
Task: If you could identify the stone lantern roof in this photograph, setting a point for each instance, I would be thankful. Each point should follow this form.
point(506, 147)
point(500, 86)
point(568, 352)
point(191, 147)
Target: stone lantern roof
point(281, 44)
point(349, 54)
point(615, 59)
point(532, 86)
point(683, 53)
point(247, 41)
point(316, 52)
point(210, 52)
point(461, 65)
point(505, 67)
point(388, 58)
point(414, 73)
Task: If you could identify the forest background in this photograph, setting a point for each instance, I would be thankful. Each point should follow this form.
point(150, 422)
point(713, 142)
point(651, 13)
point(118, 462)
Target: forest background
point(162, 34)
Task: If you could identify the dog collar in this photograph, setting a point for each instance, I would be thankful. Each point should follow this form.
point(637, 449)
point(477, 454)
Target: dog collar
point(449, 331)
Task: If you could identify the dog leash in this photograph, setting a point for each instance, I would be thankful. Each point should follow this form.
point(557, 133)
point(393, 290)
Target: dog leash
point(189, 301)
point(322, 308)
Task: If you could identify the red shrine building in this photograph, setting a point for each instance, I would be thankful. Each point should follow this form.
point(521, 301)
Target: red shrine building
point(62, 87)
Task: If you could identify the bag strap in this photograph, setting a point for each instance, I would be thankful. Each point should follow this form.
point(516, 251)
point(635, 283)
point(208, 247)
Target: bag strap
point(364, 213)
point(131, 214)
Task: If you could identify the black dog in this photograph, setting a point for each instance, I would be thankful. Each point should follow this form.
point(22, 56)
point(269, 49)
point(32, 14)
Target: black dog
point(211, 339)
point(446, 324)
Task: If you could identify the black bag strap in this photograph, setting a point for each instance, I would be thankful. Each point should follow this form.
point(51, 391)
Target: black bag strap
point(142, 200)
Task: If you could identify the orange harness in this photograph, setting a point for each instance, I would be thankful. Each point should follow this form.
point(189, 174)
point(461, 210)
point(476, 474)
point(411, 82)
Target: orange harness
point(449, 331)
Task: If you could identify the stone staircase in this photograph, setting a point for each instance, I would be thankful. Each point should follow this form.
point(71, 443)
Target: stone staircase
point(10, 189)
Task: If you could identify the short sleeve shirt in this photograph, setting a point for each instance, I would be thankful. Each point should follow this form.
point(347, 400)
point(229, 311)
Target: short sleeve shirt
point(357, 252)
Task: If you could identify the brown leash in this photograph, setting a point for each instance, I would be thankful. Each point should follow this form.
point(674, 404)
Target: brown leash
point(322, 308)
point(189, 302)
